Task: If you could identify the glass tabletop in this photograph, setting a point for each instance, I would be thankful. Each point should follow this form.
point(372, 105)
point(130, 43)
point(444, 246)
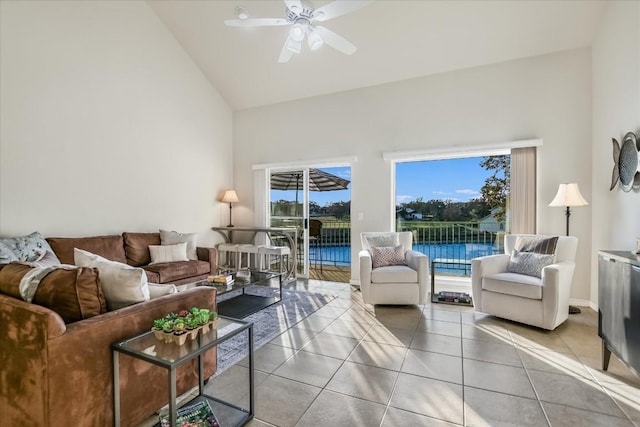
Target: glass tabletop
point(154, 350)
point(254, 277)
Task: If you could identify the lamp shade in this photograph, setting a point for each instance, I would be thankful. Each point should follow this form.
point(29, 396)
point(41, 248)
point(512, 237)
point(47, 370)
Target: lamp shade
point(230, 196)
point(568, 195)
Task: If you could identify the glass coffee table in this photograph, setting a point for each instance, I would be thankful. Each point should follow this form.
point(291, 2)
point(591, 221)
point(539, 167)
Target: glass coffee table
point(244, 304)
point(171, 355)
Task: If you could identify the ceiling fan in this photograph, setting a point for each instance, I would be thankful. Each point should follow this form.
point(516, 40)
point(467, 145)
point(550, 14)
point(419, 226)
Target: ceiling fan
point(303, 19)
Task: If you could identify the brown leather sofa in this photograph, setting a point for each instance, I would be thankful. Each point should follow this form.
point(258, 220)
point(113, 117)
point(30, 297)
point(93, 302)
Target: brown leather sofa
point(133, 249)
point(56, 374)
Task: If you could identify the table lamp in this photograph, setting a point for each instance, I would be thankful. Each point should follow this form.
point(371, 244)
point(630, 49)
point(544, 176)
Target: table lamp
point(230, 197)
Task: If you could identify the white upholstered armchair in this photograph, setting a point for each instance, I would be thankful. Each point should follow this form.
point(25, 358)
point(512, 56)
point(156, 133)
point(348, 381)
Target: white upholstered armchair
point(538, 301)
point(390, 271)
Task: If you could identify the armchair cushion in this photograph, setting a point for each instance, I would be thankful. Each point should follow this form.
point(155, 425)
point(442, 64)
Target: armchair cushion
point(529, 263)
point(514, 284)
point(394, 274)
point(387, 255)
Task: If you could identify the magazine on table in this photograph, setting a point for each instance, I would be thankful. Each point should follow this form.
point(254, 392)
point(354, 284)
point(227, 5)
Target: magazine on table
point(197, 415)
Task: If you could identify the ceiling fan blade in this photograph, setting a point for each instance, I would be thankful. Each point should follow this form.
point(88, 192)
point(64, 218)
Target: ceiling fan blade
point(256, 22)
point(336, 41)
point(285, 54)
point(294, 5)
point(338, 8)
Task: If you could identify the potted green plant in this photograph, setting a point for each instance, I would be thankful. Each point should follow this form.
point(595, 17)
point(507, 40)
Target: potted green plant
point(158, 329)
point(179, 331)
point(167, 328)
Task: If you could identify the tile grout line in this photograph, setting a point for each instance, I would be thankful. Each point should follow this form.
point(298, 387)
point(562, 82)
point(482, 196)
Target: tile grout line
point(526, 371)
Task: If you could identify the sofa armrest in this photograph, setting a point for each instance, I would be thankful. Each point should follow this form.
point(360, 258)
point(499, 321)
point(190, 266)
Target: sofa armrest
point(209, 255)
point(24, 335)
point(83, 355)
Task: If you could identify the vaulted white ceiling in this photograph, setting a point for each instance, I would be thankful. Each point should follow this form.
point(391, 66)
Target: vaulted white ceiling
point(396, 40)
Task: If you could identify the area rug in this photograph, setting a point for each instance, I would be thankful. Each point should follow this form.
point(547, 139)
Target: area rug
point(269, 322)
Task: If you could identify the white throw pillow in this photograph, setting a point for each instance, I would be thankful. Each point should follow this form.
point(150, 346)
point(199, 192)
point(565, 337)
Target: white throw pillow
point(157, 290)
point(387, 255)
point(121, 284)
point(173, 237)
point(168, 253)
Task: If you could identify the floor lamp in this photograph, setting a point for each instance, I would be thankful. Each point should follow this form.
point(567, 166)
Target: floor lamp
point(230, 197)
point(569, 196)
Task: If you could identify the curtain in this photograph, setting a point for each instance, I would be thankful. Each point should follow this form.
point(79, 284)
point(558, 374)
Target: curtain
point(523, 190)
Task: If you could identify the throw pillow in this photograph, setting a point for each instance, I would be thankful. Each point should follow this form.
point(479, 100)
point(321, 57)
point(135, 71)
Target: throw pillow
point(158, 290)
point(122, 284)
point(529, 263)
point(23, 248)
point(537, 244)
point(168, 253)
point(382, 239)
point(72, 292)
point(173, 237)
point(387, 255)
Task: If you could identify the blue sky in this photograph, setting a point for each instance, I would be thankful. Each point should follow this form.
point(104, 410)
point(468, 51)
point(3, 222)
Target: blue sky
point(453, 179)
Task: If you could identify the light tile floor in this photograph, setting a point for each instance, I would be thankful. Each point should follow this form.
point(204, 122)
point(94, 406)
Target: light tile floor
point(351, 364)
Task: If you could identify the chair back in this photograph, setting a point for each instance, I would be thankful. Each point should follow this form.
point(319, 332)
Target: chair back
point(404, 238)
point(315, 228)
point(565, 250)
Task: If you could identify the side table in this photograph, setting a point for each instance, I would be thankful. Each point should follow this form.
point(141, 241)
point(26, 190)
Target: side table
point(171, 355)
point(448, 264)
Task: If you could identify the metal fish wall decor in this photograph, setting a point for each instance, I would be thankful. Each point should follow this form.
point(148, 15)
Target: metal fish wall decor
point(626, 158)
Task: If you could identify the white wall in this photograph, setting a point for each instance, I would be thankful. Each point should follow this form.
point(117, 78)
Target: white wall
point(616, 111)
point(546, 97)
point(106, 123)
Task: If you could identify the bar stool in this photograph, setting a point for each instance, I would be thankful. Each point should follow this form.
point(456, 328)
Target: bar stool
point(249, 250)
point(280, 252)
point(231, 251)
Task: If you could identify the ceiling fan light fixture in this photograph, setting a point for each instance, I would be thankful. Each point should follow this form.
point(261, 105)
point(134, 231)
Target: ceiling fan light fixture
point(314, 40)
point(297, 32)
point(294, 46)
point(242, 13)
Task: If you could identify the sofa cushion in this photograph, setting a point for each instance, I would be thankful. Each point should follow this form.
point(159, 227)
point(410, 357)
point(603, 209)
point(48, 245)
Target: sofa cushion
point(394, 274)
point(109, 247)
point(23, 248)
point(72, 292)
point(121, 283)
point(173, 271)
point(136, 247)
point(173, 237)
point(514, 284)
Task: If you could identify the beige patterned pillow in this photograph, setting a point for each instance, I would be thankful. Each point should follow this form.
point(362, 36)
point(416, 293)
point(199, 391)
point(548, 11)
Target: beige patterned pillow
point(387, 255)
point(168, 253)
point(529, 263)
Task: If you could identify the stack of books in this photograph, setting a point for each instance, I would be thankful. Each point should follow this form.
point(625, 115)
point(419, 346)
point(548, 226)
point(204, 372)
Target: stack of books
point(221, 279)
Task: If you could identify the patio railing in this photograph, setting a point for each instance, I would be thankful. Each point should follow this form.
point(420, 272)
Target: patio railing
point(439, 240)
